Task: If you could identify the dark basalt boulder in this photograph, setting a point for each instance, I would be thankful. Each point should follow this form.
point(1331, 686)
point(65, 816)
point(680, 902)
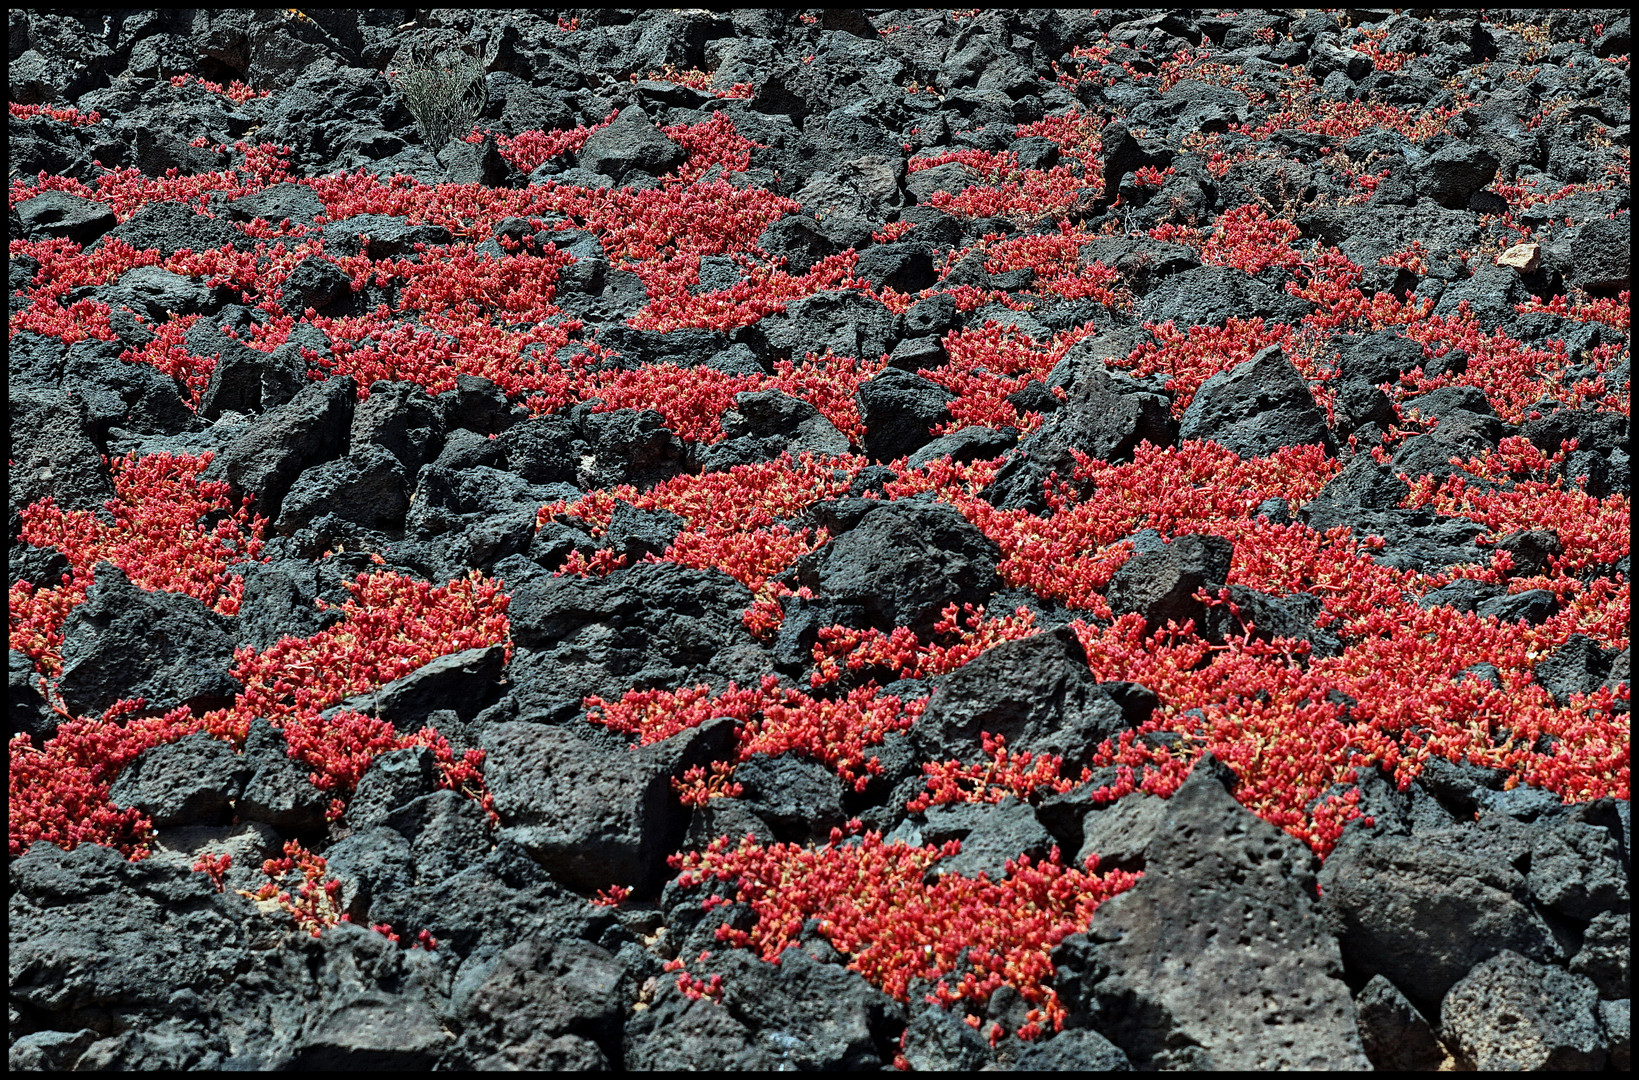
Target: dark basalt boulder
point(51, 453)
point(57, 214)
point(1256, 408)
point(632, 144)
point(764, 424)
point(30, 713)
point(1037, 693)
point(1227, 900)
point(1553, 1017)
point(593, 817)
point(900, 411)
point(825, 1017)
point(1106, 418)
point(1470, 908)
point(464, 683)
point(903, 563)
point(1209, 295)
point(193, 781)
point(310, 429)
point(126, 642)
point(1161, 585)
point(1477, 922)
point(651, 624)
point(367, 487)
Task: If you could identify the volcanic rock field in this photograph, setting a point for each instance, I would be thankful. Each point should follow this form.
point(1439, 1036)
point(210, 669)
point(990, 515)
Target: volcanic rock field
point(819, 539)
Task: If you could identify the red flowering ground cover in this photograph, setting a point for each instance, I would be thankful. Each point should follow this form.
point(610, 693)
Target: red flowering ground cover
point(1292, 725)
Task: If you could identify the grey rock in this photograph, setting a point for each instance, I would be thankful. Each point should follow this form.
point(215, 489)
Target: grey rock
point(726, 817)
point(30, 714)
point(900, 411)
point(274, 605)
point(1577, 667)
point(1209, 295)
point(845, 322)
point(153, 292)
point(1256, 408)
point(1615, 1018)
point(631, 144)
point(636, 533)
point(247, 380)
point(450, 498)
point(314, 283)
point(543, 1004)
point(1379, 357)
point(1422, 911)
point(1266, 618)
point(903, 563)
point(1576, 865)
point(1534, 606)
point(652, 624)
point(54, 1051)
point(1594, 430)
point(799, 799)
point(554, 542)
point(1038, 693)
point(1226, 911)
point(1512, 1013)
point(277, 203)
point(448, 833)
point(628, 446)
point(930, 315)
point(402, 419)
point(193, 781)
point(309, 430)
point(369, 862)
point(1455, 172)
point(247, 845)
point(809, 1014)
point(52, 455)
point(1396, 1036)
point(991, 835)
point(59, 215)
point(90, 930)
point(544, 450)
point(367, 487)
point(766, 423)
point(1606, 955)
point(1074, 1050)
point(1531, 549)
point(393, 780)
point(951, 177)
point(592, 818)
point(1464, 595)
point(348, 998)
point(116, 393)
point(169, 227)
point(490, 904)
point(279, 792)
point(381, 236)
point(939, 1039)
point(477, 404)
point(906, 267)
point(1120, 834)
point(1105, 418)
point(1360, 403)
point(1597, 257)
point(125, 641)
point(676, 1032)
point(1161, 585)
point(799, 240)
point(971, 443)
